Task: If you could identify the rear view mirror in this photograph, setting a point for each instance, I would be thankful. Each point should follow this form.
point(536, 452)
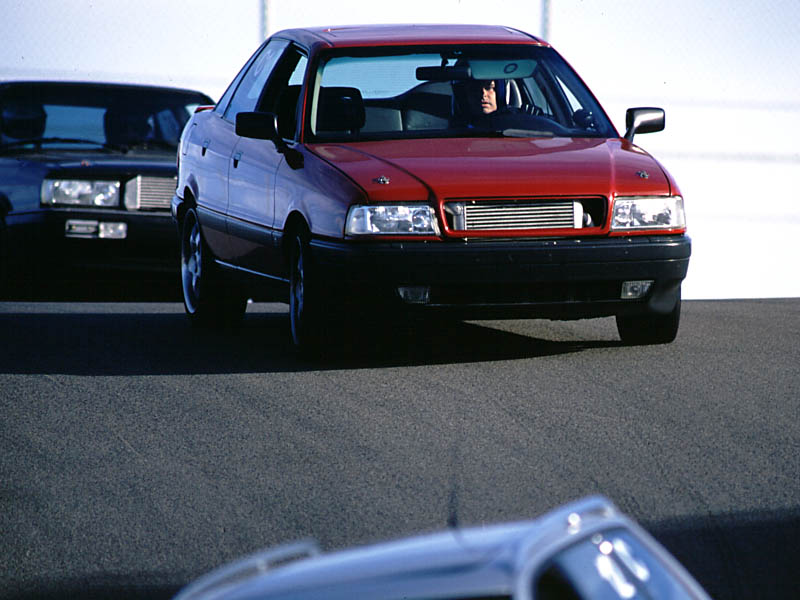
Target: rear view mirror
point(264, 126)
point(643, 120)
point(257, 125)
point(456, 73)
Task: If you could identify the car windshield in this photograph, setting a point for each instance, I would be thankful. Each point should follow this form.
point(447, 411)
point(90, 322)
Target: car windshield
point(34, 116)
point(452, 91)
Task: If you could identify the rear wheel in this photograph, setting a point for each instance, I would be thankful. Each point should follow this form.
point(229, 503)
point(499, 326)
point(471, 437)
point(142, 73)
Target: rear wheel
point(209, 300)
point(650, 328)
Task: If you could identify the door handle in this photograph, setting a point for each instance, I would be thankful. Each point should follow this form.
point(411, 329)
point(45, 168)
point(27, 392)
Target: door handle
point(236, 158)
point(206, 143)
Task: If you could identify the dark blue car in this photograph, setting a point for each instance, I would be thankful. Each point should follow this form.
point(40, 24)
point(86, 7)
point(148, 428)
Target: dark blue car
point(87, 171)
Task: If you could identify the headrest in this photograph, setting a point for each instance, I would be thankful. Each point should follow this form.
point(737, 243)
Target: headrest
point(22, 120)
point(340, 109)
point(126, 127)
point(287, 111)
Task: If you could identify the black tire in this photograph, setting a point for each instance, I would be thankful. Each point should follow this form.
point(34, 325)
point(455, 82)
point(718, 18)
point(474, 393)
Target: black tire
point(305, 305)
point(650, 328)
point(5, 278)
point(209, 300)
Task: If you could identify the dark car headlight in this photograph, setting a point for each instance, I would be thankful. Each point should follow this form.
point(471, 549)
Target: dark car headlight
point(79, 192)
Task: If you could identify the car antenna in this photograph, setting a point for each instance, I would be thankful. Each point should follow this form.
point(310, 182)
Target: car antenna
point(452, 508)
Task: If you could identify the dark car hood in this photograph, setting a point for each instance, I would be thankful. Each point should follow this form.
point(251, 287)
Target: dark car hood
point(492, 167)
point(134, 161)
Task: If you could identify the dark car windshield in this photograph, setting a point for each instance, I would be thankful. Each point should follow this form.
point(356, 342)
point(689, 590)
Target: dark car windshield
point(85, 116)
point(442, 92)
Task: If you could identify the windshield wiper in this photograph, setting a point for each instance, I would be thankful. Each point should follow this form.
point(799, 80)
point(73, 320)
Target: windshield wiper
point(526, 133)
point(148, 144)
point(38, 142)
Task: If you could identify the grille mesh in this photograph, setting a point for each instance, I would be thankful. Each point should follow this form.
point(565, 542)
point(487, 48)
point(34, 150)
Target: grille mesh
point(519, 215)
point(150, 193)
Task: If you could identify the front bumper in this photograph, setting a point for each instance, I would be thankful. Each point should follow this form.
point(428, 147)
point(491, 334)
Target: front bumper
point(42, 239)
point(558, 278)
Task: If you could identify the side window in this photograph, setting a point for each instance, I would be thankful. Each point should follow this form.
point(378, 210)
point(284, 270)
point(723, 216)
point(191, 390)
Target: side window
point(282, 95)
point(247, 93)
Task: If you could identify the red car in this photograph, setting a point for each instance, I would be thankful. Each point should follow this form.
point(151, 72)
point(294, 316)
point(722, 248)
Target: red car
point(377, 170)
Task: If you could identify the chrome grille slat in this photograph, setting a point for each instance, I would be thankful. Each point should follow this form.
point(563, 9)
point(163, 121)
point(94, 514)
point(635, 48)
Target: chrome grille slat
point(145, 192)
point(156, 192)
point(519, 215)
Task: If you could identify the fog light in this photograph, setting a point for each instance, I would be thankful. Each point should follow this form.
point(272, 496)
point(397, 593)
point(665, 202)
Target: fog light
point(113, 231)
point(80, 228)
point(415, 294)
point(631, 290)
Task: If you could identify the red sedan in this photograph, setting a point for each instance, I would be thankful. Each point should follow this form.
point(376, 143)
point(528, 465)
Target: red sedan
point(380, 170)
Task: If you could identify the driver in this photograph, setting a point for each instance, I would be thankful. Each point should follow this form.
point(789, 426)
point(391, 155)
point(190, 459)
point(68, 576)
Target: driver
point(483, 96)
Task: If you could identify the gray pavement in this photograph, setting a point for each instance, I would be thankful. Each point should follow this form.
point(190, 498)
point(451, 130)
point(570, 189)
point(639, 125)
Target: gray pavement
point(136, 453)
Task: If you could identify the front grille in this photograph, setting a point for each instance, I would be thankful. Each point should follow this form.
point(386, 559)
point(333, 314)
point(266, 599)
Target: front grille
point(498, 215)
point(507, 214)
point(528, 215)
point(149, 193)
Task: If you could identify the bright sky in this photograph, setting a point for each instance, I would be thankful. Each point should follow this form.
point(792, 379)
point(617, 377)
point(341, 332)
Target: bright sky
point(727, 73)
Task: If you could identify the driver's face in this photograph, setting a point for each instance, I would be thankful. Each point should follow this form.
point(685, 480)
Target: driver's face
point(484, 92)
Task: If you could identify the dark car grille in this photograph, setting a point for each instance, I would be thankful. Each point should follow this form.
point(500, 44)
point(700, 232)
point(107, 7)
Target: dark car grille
point(149, 193)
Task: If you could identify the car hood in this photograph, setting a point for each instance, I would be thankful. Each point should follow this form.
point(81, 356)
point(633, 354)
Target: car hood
point(401, 170)
point(94, 162)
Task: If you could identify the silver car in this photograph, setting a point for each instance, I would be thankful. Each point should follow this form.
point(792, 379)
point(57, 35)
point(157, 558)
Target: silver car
point(586, 549)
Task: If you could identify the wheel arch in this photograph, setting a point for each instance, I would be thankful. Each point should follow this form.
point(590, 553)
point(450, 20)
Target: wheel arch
point(188, 201)
point(295, 223)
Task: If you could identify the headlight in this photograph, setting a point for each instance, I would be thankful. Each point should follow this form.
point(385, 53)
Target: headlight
point(75, 192)
point(392, 219)
point(652, 212)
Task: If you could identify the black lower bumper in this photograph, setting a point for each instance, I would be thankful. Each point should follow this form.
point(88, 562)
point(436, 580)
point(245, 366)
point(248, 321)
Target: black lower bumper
point(42, 241)
point(564, 278)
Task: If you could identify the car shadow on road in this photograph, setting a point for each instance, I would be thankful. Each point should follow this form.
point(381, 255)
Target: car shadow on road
point(738, 555)
point(156, 339)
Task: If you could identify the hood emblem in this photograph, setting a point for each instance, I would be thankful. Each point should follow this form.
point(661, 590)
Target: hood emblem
point(383, 180)
point(643, 174)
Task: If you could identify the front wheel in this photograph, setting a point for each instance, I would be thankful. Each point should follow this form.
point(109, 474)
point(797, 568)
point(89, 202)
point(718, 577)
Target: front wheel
point(650, 328)
point(208, 299)
point(304, 300)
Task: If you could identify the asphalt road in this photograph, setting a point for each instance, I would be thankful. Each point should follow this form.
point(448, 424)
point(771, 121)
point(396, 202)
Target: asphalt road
point(136, 454)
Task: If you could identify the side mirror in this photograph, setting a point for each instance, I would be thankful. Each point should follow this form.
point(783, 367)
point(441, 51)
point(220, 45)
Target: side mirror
point(257, 125)
point(643, 120)
point(264, 126)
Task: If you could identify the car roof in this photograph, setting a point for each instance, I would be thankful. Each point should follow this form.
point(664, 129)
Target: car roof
point(93, 85)
point(345, 36)
point(463, 562)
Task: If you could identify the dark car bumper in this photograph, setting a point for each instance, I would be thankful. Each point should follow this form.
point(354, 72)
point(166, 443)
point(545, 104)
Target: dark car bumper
point(43, 240)
point(564, 278)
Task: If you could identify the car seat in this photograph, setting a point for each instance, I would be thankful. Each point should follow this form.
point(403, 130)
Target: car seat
point(22, 120)
point(126, 127)
point(341, 110)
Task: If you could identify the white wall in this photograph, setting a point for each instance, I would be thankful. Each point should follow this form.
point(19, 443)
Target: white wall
point(726, 73)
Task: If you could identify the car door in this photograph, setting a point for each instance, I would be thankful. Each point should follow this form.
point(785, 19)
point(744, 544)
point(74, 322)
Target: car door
point(210, 146)
point(217, 141)
point(253, 168)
